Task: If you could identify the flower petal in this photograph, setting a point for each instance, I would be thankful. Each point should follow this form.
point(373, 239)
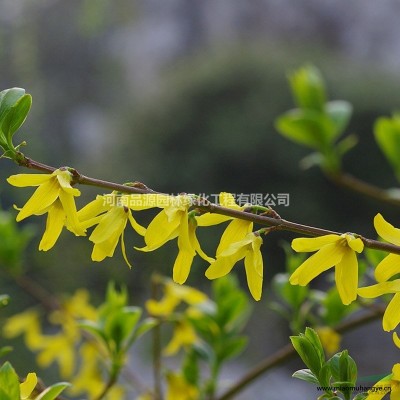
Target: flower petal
point(391, 317)
point(24, 180)
point(355, 244)
point(387, 268)
point(94, 208)
point(223, 265)
point(72, 223)
point(141, 230)
point(160, 231)
point(182, 266)
point(124, 250)
point(396, 339)
point(228, 200)
point(234, 232)
point(209, 219)
point(64, 178)
point(327, 257)
point(54, 224)
point(254, 272)
point(44, 196)
point(113, 221)
point(379, 289)
point(346, 276)
point(313, 244)
point(27, 387)
point(386, 230)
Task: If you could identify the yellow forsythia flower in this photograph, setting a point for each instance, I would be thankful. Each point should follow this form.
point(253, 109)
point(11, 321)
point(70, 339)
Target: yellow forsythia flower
point(330, 339)
point(174, 295)
point(184, 335)
point(26, 388)
point(388, 385)
point(110, 213)
point(235, 231)
point(333, 250)
point(174, 222)
point(54, 196)
point(390, 265)
point(26, 323)
point(179, 389)
point(249, 249)
point(391, 317)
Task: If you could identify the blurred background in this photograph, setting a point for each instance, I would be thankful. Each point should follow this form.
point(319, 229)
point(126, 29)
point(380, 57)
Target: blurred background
point(182, 95)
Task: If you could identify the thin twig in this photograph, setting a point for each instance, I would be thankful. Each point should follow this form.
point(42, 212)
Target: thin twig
point(205, 206)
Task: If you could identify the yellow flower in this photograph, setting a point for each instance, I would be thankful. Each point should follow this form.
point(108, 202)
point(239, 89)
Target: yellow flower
point(54, 196)
point(390, 265)
point(330, 339)
point(26, 323)
point(333, 250)
point(174, 295)
point(179, 389)
point(391, 317)
point(174, 221)
point(249, 249)
point(235, 231)
point(184, 335)
point(388, 385)
point(26, 388)
point(110, 213)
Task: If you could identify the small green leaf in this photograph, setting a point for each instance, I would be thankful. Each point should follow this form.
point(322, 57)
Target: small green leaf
point(307, 127)
point(361, 396)
point(4, 300)
point(232, 347)
point(387, 135)
point(307, 353)
point(306, 375)
point(15, 117)
point(5, 350)
point(144, 327)
point(339, 112)
point(53, 391)
point(346, 144)
point(9, 383)
point(8, 99)
point(308, 88)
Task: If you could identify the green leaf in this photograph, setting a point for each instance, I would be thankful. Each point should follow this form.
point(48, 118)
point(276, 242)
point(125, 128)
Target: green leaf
point(8, 99)
point(387, 135)
point(144, 327)
point(121, 324)
point(361, 396)
point(94, 328)
point(4, 300)
point(307, 127)
point(232, 347)
point(308, 88)
point(9, 383)
point(5, 350)
point(339, 112)
point(306, 375)
point(307, 352)
point(190, 368)
point(15, 117)
point(346, 144)
point(14, 107)
point(53, 391)
point(343, 367)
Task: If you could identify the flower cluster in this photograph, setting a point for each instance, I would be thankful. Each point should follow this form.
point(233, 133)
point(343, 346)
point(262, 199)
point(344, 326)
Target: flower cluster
point(109, 214)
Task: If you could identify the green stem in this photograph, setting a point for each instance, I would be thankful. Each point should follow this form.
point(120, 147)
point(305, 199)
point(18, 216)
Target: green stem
point(205, 206)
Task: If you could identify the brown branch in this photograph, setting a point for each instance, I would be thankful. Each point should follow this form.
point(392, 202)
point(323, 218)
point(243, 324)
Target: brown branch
point(354, 184)
point(206, 206)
